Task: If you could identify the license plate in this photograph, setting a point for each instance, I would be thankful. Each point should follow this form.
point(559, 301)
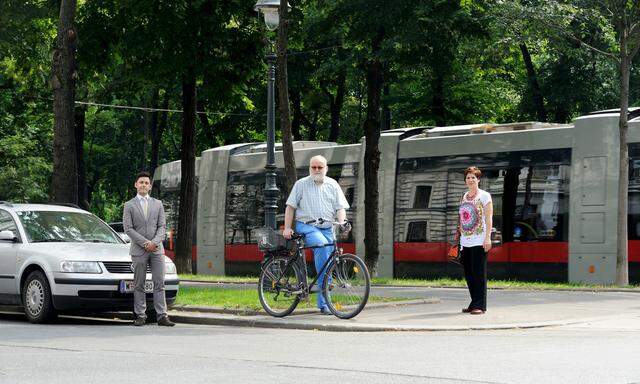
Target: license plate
point(127, 286)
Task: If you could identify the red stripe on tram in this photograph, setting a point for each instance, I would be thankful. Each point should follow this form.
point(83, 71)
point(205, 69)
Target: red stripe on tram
point(242, 252)
point(172, 253)
point(634, 251)
point(250, 252)
point(525, 252)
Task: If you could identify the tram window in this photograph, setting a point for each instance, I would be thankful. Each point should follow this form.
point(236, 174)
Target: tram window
point(168, 190)
point(245, 200)
point(417, 232)
point(245, 204)
point(633, 226)
point(530, 191)
point(422, 197)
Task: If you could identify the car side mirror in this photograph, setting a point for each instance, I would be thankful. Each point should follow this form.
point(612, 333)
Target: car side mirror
point(125, 237)
point(8, 236)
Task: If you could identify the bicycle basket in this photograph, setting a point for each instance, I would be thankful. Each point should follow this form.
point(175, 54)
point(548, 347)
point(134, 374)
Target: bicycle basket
point(270, 240)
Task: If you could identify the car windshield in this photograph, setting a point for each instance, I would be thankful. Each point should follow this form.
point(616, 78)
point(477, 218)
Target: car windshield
point(58, 226)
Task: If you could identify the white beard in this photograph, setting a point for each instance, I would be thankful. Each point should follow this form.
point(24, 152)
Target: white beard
point(318, 177)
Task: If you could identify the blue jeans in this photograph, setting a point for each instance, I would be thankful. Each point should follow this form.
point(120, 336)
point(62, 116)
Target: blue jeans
point(317, 236)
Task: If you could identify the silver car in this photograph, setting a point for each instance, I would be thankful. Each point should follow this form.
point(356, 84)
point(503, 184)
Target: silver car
point(57, 258)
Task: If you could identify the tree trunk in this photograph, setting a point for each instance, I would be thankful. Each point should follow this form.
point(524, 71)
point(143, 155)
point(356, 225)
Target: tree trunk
point(63, 80)
point(299, 119)
point(386, 111)
point(538, 100)
point(153, 126)
point(91, 186)
point(312, 127)
point(283, 96)
point(157, 129)
point(335, 106)
point(83, 200)
point(372, 156)
point(622, 259)
point(147, 132)
point(297, 115)
point(187, 181)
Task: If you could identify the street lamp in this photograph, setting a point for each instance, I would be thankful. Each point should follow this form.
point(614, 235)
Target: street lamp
point(269, 8)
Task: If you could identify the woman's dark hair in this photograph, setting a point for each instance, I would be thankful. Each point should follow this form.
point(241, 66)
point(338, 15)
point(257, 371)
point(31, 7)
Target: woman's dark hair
point(143, 174)
point(473, 170)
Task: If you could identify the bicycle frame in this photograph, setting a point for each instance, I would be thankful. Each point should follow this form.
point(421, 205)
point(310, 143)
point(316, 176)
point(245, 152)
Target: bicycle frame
point(300, 255)
point(331, 257)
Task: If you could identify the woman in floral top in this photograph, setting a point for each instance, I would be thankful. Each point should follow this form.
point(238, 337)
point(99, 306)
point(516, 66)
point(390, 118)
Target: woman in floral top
point(474, 231)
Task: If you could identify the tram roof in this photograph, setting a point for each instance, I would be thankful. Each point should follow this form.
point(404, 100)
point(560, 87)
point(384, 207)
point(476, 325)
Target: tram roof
point(302, 144)
point(468, 129)
point(633, 112)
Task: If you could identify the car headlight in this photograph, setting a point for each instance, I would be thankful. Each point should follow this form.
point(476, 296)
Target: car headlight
point(80, 267)
point(169, 268)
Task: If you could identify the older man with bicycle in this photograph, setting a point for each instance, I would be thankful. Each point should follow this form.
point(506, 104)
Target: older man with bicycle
point(316, 197)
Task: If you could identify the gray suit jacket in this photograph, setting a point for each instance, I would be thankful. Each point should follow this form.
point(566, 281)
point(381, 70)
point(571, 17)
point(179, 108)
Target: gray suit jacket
point(141, 230)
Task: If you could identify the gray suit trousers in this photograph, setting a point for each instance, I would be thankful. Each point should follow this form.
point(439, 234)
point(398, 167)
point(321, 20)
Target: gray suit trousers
point(139, 277)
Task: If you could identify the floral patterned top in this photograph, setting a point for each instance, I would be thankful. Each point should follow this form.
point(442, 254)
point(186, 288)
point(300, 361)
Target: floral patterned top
point(473, 227)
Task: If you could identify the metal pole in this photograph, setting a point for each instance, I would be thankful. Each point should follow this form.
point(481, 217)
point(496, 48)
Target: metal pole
point(270, 188)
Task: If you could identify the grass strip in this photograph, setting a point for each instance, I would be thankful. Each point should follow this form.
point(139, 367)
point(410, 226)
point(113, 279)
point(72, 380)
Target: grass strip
point(442, 282)
point(244, 299)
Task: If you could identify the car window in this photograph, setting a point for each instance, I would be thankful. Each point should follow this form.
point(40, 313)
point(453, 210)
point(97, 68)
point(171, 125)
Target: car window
point(118, 227)
point(7, 223)
point(55, 226)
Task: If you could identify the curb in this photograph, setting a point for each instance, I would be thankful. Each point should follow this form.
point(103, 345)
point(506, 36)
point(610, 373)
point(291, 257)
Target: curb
point(348, 326)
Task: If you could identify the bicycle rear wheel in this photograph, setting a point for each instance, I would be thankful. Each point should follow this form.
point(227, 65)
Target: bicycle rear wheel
point(279, 286)
point(346, 286)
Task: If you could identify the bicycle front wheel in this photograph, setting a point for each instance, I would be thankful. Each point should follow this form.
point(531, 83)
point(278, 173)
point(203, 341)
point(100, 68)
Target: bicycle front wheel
point(279, 286)
point(346, 286)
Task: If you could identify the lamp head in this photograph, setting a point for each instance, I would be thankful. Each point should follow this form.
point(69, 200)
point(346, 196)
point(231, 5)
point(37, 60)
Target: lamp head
point(269, 9)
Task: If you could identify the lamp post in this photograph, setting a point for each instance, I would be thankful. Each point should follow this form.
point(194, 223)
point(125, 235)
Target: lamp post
point(269, 9)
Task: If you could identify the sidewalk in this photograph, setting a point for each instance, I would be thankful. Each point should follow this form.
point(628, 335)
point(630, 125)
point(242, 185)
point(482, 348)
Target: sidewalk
point(439, 309)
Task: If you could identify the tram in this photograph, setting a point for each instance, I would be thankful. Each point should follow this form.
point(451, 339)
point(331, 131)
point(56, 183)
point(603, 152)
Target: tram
point(554, 189)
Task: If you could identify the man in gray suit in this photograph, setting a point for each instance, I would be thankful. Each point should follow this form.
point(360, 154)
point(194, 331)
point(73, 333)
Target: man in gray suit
point(144, 223)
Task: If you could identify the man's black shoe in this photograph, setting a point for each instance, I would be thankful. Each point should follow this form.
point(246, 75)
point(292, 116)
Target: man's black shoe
point(139, 321)
point(165, 322)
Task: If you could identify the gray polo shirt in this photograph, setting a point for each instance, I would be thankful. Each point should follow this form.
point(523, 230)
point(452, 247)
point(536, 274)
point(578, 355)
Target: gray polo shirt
point(312, 201)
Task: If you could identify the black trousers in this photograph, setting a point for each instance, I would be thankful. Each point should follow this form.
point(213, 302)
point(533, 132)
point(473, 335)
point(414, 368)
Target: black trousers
point(474, 261)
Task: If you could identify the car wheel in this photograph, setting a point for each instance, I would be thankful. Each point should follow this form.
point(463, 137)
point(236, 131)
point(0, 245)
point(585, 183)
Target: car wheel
point(36, 298)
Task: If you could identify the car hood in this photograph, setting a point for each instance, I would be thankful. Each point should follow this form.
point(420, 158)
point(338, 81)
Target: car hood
point(83, 251)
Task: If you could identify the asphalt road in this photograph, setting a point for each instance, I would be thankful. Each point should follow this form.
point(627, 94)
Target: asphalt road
point(102, 351)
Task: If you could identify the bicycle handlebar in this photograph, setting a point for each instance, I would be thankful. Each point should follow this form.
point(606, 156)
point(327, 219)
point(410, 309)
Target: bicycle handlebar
point(322, 221)
point(297, 236)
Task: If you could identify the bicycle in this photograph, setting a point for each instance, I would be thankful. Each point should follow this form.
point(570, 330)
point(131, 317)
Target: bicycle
point(283, 283)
